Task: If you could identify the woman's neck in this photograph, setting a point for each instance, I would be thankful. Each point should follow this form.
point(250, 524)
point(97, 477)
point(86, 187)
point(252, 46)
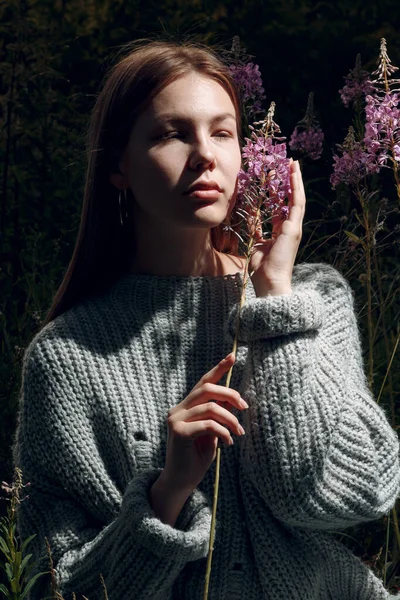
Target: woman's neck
point(189, 254)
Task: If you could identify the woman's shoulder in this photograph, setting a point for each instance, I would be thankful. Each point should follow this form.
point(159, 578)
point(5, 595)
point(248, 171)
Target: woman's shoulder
point(74, 328)
point(318, 274)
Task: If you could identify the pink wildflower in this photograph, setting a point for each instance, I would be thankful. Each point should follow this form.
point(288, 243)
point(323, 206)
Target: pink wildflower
point(382, 127)
point(384, 73)
point(351, 167)
point(357, 84)
point(354, 164)
point(308, 136)
point(266, 177)
point(308, 141)
point(248, 79)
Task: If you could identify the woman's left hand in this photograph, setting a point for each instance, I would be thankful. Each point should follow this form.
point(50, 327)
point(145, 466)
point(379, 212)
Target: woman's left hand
point(272, 261)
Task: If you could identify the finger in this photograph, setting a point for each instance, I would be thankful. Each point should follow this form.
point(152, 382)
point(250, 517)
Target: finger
point(210, 391)
point(299, 197)
point(294, 183)
point(279, 218)
point(296, 198)
point(214, 411)
point(303, 192)
point(217, 372)
point(197, 429)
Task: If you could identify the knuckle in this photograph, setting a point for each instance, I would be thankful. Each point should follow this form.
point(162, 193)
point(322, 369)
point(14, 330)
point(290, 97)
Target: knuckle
point(171, 420)
point(170, 415)
point(209, 407)
point(209, 425)
point(207, 388)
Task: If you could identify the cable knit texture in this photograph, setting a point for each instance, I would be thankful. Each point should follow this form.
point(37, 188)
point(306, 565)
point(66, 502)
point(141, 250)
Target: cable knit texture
point(318, 454)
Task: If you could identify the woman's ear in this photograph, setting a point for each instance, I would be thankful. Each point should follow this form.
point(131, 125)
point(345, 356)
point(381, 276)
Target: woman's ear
point(119, 179)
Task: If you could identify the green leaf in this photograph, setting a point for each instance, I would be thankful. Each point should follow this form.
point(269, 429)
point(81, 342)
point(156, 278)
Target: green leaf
point(4, 590)
point(26, 542)
point(4, 548)
point(9, 572)
point(24, 562)
point(355, 238)
point(31, 583)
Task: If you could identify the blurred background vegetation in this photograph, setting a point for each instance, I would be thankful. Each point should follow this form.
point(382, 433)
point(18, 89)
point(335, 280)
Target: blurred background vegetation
point(54, 54)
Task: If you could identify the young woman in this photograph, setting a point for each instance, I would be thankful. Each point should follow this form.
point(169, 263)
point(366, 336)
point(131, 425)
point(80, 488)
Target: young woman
point(122, 409)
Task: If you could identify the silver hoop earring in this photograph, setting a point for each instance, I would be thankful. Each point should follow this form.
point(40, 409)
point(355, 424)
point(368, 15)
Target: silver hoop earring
point(123, 210)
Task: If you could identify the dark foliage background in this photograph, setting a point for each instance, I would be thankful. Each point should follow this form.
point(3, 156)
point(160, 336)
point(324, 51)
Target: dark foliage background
point(53, 55)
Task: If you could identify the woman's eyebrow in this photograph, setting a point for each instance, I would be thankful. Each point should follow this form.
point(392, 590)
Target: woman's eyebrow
point(171, 118)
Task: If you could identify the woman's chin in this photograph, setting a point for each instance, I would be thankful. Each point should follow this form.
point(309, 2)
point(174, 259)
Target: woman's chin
point(209, 213)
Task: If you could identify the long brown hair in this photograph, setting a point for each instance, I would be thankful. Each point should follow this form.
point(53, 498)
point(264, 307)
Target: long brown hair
point(103, 250)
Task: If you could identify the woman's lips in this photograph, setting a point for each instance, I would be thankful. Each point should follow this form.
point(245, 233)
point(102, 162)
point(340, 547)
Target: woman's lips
point(202, 194)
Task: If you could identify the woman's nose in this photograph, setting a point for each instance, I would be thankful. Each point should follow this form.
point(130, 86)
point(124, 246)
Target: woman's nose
point(202, 156)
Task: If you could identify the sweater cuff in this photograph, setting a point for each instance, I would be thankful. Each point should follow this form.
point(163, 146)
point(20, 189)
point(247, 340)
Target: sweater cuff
point(270, 316)
point(187, 541)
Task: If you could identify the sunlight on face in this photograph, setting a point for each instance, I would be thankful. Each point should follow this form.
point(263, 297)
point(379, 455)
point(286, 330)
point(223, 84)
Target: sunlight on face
point(187, 134)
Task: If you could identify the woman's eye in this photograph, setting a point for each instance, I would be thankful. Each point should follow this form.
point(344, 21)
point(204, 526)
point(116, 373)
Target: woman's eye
point(223, 134)
point(168, 135)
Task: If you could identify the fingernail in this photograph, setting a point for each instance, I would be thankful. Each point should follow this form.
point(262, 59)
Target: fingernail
point(230, 355)
point(241, 429)
point(243, 403)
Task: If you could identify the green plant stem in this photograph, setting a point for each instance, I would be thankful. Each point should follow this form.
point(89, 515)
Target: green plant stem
point(249, 251)
point(394, 161)
point(396, 174)
point(387, 549)
point(396, 525)
point(218, 453)
point(384, 331)
point(387, 372)
point(368, 245)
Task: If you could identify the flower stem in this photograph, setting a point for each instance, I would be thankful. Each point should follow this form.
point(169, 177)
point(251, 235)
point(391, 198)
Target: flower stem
point(396, 173)
point(368, 246)
point(396, 525)
point(227, 384)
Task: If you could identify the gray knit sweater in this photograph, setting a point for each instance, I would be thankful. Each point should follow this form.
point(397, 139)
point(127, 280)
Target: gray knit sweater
point(318, 454)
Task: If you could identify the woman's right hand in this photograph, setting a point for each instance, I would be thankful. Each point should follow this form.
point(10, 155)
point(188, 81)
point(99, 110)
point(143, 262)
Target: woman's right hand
point(196, 424)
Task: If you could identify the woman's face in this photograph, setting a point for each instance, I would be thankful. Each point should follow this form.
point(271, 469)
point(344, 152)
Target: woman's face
point(186, 137)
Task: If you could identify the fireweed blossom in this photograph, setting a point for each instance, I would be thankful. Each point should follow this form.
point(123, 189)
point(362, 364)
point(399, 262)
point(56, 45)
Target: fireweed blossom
point(380, 143)
point(354, 163)
point(247, 77)
point(382, 128)
point(264, 182)
point(384, 72)
point(308, 136)
point(357, 84)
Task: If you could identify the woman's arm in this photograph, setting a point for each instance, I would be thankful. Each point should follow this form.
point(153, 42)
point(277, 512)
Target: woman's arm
point(317, 447)
point(91, 527)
